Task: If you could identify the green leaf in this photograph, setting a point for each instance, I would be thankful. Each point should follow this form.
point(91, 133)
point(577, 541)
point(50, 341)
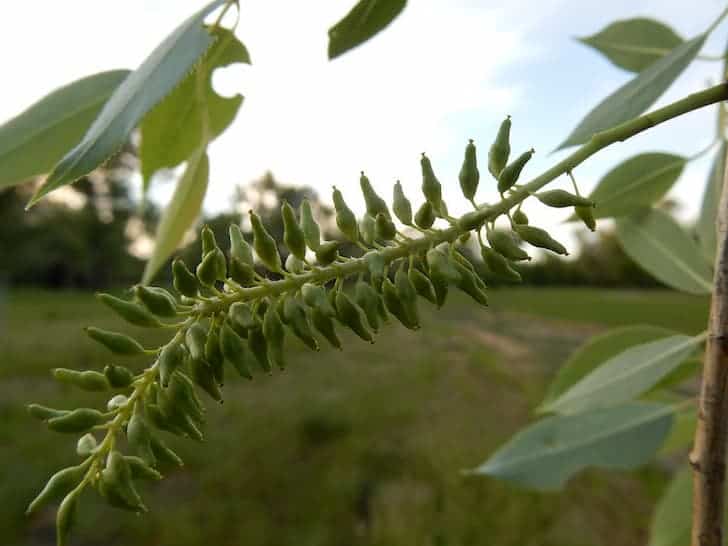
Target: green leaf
point(173, 129)
point(546, 454)
point(682, 433)
point(637, 95)
point(706, 228)
point(364, 20)
point(638, 182)
point(626, 375)
point(660, 246)
point(181, 213)
point(165, 67)
point(634, 44)
point(596, 350)
point(32, 142)
point(671, 520)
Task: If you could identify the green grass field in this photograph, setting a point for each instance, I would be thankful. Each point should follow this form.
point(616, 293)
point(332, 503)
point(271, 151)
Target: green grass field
point(360, 447)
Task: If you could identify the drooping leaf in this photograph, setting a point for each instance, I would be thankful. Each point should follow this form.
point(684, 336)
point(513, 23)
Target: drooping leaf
point(546, 454)
point(165, 67)
point(594, 352)
point(181, 213)
point(706, 228)
point(366, 18)
point(173, 129)
point(634, 44)
point(32, 142)
point(626, 375)
point(672, 517)
point(637, 95)
point(638, 182)
point(660, 246)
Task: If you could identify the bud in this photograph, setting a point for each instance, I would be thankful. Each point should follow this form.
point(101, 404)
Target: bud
point(323, 323)
point(510, 174)
point(292, 232)
point(345, 219)
point(130, 311)
point(239, 247)
point(422, 284)
point(368, 299)
point(351, 316)
point(367, 229)
point(469, 175)
point(500, 149)
point(375, 204)
point(561, 199)
point(587, 216)
point(119, 377)
point(499, 265)
point(119, 344)
point(78, 420)
point(58, 485)
point(538, 237)
point(86, 380)
point(311, 231)
point(401, 205)
point(86, 445)
point(235, 351)
point(504, 244)
point(327, 252)
point(274, 334)
point(265, 245)
point(184, 281)
point(385, 229)
point(425, 216)
point(296, 318)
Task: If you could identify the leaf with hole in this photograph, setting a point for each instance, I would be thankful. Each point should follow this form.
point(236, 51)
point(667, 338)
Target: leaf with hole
point(366, 18)
point(155, 78)
point(634, 44)
point(662, 248)
point(626, 375)
point(33, 141)
point(174, 128)
point(546, 454)
point(594, 352)
point(181, 213)
point(637, 95)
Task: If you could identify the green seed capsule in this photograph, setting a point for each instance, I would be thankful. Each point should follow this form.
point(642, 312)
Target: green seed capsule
point(422, 284)
point(241, 273)
point(259, 347)
point(401, 205)
point(499, 265)
point(311, 231)
point(375, 204)
point(265, 245)
point(367, 298)
point(58, 485)
point(469, 175)
point(171, 357)
point(500, 149)
point(208, 240)
point(350, 315)
point(184, 281)
point(140, 470)
point(561, 199)
point(138, 436)
point(315, 297)
point(163, 454)
point(239, 247)
point(327, 252)
point(425, 216)
point(235, 351)
point(509, 175)
point(157, 300)
point(119, 344)
point(504, 244)
point(195, 339)
point(471, 284)
point(345, 219)
point(43, 413)
point(323, 323)
point(294, 265)
point(214, 356)
point(295, 316)
point(274, 334)
point(116, 484)
point(395, 306)
point(431, 188)
point(86, 380)
point(119, 377)
point(587, 216)
point(66, 517)
point(367, 230)
point(292, 232)
point(203, 376)
point(408, 296)
point(130, 311)
point(519, 217)
point(538, 237)
point(86, 445)
point(385, 227)
point(78, 420)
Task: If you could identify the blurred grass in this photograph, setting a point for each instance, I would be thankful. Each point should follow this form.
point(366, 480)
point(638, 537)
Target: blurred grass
point(361, 447)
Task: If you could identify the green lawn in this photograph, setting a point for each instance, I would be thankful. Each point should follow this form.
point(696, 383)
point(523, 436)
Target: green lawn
point(360, 447)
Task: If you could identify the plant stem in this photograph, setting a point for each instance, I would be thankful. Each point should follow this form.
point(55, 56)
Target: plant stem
point(482, 214)
point(709, 450)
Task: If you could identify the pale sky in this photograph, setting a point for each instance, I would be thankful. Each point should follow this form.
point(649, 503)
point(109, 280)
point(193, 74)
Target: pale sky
point(443, 72)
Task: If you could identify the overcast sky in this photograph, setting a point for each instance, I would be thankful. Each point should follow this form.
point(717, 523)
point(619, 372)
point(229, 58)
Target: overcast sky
point(443, 72)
